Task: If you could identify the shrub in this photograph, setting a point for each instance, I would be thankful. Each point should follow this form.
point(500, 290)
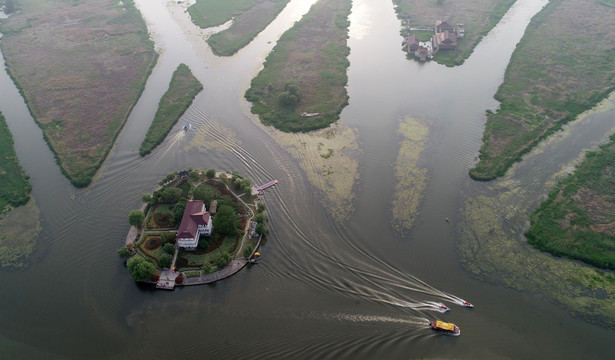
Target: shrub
point(165, 261)
point(168, 248)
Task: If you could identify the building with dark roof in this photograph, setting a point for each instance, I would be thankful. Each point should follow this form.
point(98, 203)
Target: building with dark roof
point(196, 222)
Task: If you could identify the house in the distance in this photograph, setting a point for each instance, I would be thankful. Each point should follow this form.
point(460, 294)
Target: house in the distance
point(444, 37)
point(196, 222)
point(412, 42)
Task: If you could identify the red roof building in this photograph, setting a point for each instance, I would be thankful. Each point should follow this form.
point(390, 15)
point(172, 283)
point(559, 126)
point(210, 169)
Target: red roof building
point(195, 222)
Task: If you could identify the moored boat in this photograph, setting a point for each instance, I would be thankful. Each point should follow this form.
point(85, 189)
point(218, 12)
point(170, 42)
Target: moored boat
point(446, 328)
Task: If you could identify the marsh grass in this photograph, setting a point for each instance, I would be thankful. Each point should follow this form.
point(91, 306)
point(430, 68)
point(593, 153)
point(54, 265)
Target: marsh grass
point(562, 67)
point(182, 90)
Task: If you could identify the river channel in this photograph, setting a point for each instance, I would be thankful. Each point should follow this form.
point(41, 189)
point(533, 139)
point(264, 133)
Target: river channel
point(326, 288)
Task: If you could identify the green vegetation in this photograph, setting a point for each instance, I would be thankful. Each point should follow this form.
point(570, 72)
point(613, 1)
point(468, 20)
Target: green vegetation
point(182, 90)
point(478, 17)
point(124, 252)
point(79, 74)
point(562, 67)
point(312, 56)
point(250, 17)
point(578, 218)
point(14, 186)
point(165, 210)
point(136, 218)
point(141, 269)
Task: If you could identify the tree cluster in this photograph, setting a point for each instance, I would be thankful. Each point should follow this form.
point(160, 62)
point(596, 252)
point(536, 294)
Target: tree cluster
point(291, 95)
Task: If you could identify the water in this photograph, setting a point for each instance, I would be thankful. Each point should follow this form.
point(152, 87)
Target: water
point(323, 289)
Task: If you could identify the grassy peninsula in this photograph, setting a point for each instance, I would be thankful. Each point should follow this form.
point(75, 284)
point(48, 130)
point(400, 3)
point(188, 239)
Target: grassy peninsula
point(306, 72)
point(562, 66)
point(249, 17)
point(80, 66)
point(14, 186)
point(478, 17)
point(182, 90)
point(578, 218)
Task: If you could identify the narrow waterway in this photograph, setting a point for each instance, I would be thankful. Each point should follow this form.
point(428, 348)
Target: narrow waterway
point(323, 289)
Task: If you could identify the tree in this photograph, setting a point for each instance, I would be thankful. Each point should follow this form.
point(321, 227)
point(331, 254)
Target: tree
point(136, 218)
point(261, 207)
point(194, 175)
point(206, 193)
point(168, 248)
point(146, 198)
point(260, 218)
point(168, 237)
point(141, 269)
point(165, 260)
point(204, 242)
point(223, 261)
point(291, 94)
point(171, 195)
point(178, 211)
point(261, 229)
point(226, 220)
point(247, 251)
point(210, 173)
point(124, 252)
point(206, 268)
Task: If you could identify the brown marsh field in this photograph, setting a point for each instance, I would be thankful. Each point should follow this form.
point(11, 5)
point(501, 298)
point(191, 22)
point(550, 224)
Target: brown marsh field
point(80, 67)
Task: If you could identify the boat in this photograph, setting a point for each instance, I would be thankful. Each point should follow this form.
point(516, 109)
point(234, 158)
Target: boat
point(446, 328)
point(187, 126)
point(443, 308)
point(467, 304)
point(306, 114)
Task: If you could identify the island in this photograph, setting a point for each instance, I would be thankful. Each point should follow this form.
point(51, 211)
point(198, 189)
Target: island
point(302, 86)
point(447, 30)
point(197, 228)
point(79, 74)
point(247, 19)
point(562, 67)
point(19, 215)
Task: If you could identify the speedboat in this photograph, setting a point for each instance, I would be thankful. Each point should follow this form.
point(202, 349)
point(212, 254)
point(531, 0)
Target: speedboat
point(443, 308)
point(187, 126)
point(467, 304)
point(446, 328)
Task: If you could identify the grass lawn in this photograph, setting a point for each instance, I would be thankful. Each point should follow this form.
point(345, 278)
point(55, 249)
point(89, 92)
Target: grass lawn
point(14, 185)
point(80, 66)
point(547, 82)
point(313, 56)
point(160, 217)
point(578, 218)
point(150, 245)
point(196, 258)
point(250, 17)
point(182, 91)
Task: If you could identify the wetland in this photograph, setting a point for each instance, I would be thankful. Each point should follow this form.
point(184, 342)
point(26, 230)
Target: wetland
point(358, 251)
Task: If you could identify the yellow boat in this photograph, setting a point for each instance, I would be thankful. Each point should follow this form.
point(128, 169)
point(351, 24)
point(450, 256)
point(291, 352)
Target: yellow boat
point(446, 328)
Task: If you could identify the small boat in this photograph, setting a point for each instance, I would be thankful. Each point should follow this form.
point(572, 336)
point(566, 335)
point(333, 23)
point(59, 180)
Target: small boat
point(443, 308)
point(187, 126)
point(467, 304)
point(306, 114)
point(446, 328)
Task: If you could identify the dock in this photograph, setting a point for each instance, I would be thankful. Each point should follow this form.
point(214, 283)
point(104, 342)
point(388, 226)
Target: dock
point(265, 186)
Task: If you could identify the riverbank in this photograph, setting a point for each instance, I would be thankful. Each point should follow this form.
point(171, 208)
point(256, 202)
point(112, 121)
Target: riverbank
point(14, 186)
point(79, 75)
point(577, 220)
point(478, 17)
point(547, 83)
point(249, 18)
point(305, 72)
point(183, 88)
